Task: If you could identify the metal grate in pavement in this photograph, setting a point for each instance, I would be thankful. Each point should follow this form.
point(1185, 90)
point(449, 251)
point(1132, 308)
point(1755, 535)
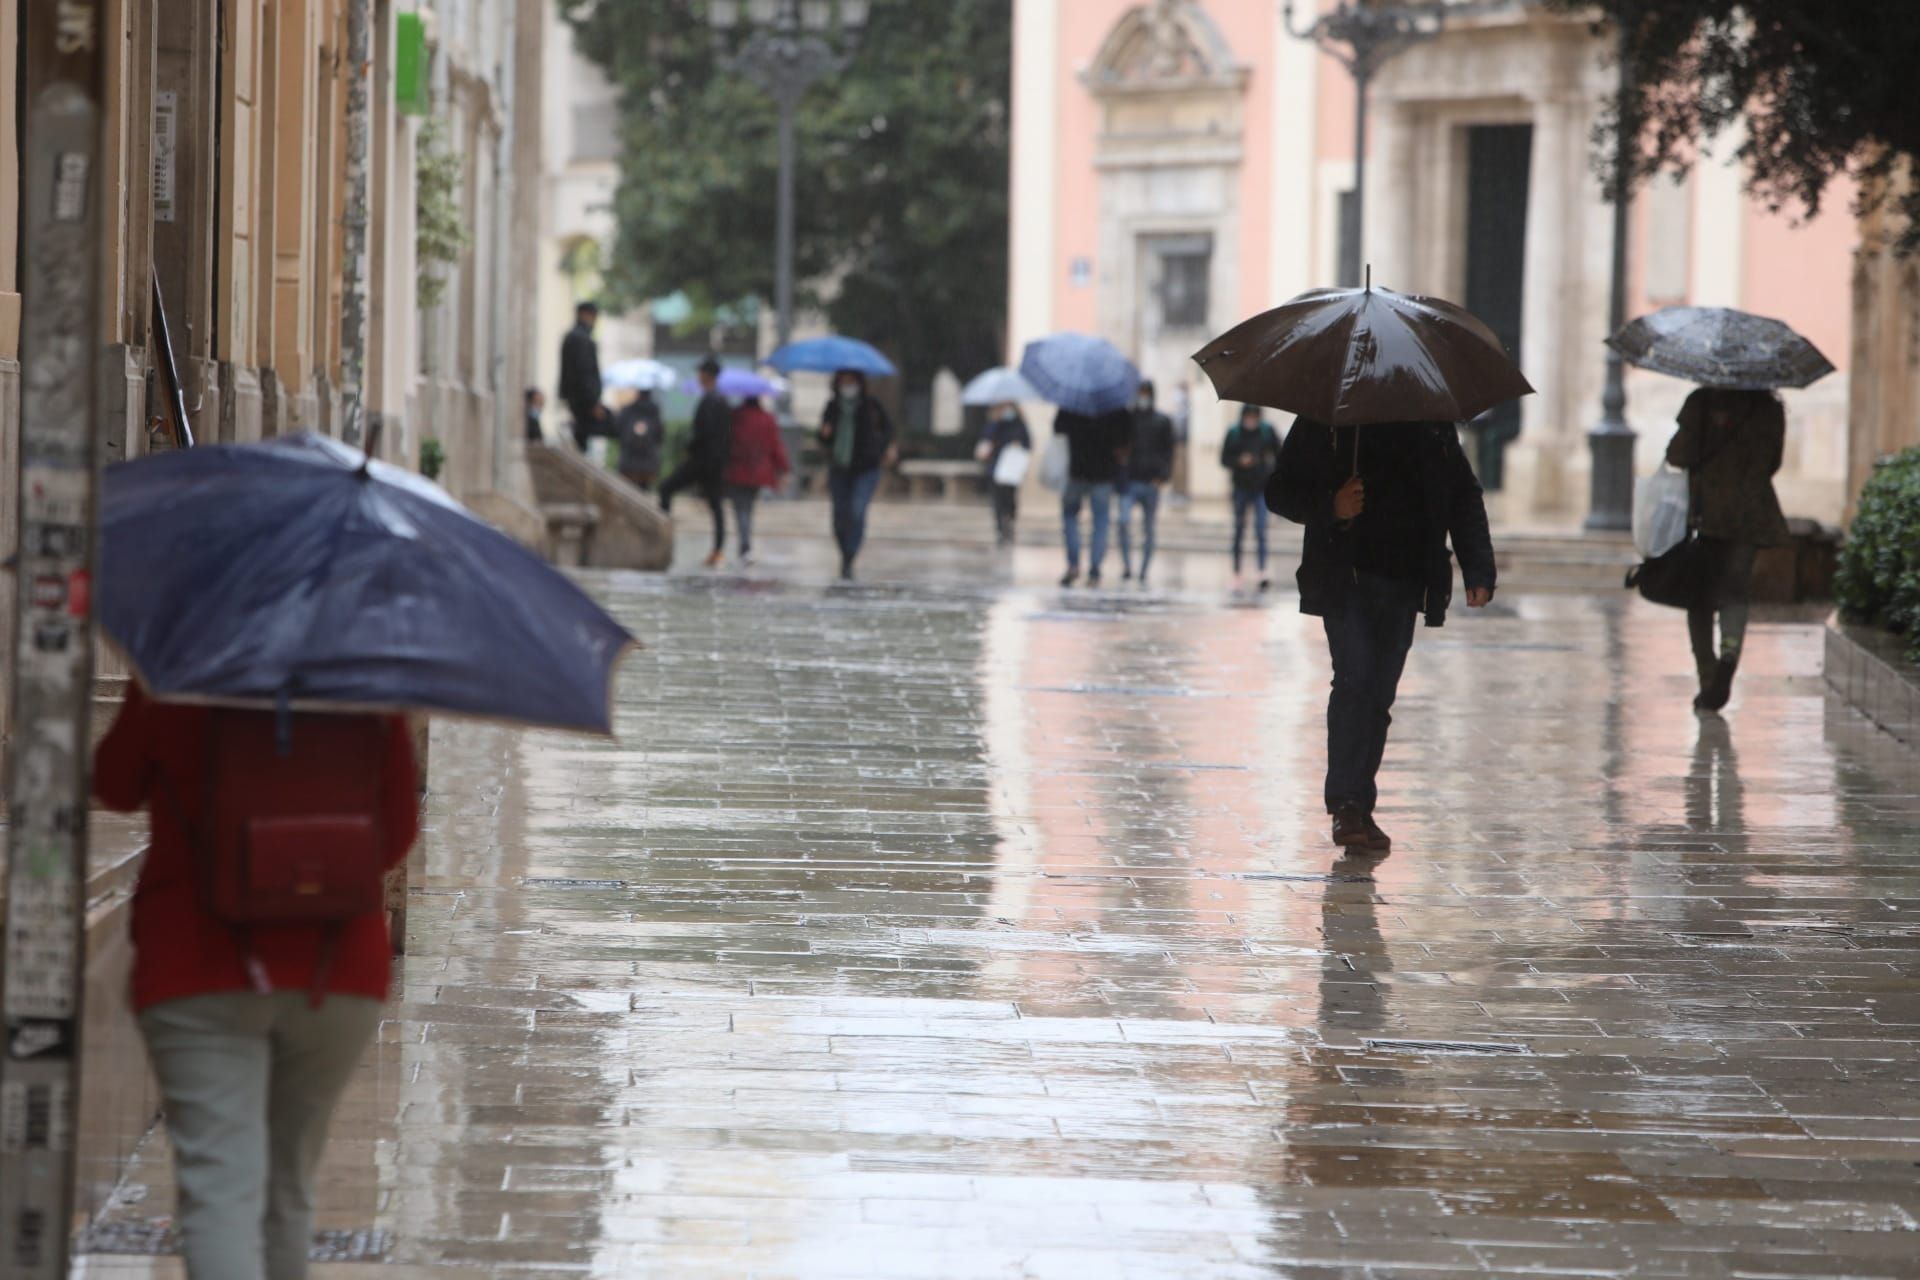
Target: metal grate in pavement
point(1452, 1047)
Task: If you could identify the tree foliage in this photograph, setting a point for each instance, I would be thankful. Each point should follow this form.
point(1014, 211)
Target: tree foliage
point(902, 175)
point(1824, 88)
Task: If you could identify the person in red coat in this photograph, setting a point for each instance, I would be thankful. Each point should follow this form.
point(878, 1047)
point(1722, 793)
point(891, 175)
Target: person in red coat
point(249, 1077)
point(756, 460)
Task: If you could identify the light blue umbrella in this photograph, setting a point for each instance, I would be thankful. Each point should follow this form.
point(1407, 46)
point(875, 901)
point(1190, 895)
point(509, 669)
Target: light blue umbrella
point(830, 355)
point(739, 384)
point(640, 375)
point(1080, 374)
point(998, 386)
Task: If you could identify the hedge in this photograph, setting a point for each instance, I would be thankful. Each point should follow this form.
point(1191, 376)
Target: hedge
point(1879, 577)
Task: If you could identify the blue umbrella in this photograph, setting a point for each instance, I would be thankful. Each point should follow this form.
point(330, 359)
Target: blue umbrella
point(294, 573)
point(1080, 374)
point(830, 355)
point(738, 383)
point(998, 386)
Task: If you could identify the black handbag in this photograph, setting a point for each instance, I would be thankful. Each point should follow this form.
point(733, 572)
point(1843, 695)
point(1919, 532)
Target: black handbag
point(1682, 578)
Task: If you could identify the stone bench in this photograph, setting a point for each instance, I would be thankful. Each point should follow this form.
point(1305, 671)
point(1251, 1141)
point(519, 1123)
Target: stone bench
point(570, 526)
point(951, 480)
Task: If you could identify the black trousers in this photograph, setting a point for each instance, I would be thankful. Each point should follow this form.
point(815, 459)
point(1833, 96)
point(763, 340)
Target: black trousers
point(1006, 508)
point(712, 492)
point(1369, 631)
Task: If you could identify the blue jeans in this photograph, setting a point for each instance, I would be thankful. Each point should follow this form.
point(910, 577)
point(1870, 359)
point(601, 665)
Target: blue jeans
point(1071, 498)
point(1147, 495)
point(1369, 629)
point(852, 493)
point(1245, 502)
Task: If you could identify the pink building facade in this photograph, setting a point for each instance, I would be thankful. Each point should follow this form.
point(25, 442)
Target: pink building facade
point(1179, 165)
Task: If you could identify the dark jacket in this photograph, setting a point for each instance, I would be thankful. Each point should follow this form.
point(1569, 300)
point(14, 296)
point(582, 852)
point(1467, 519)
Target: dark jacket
point(1732, 442)
point(1096, 447)
point(757, 457)
point(1154, 441)
point(1000, 433)
point(872, 432)
point(637, 428)
point(1317, 460)
point(1263, 443)
point(711, 438)
point(580, 371)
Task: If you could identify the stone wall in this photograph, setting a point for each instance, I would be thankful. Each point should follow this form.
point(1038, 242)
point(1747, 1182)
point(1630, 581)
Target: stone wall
point(631, 532)
point(1884, 415)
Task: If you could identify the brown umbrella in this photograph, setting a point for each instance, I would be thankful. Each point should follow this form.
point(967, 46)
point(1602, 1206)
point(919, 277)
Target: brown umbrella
point(1346, 357)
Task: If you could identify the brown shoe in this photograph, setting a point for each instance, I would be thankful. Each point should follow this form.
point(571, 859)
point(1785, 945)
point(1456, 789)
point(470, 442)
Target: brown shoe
point(1379, 843)
point(715, 560)
point(1350, 832)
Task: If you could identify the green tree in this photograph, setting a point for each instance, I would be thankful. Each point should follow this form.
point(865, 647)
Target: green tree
point(1824, 88)
point(902, 186)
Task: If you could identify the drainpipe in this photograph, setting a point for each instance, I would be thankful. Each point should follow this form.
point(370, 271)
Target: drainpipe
point(506, 300)
point(353, 293)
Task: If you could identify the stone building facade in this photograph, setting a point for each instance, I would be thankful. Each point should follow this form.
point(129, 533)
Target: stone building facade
point(1180, 165)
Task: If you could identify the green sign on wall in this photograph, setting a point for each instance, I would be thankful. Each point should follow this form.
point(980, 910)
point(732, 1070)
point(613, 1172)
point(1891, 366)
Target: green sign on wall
point(411, 92)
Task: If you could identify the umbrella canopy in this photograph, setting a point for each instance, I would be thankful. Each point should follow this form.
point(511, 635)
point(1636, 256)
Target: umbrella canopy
point(1721, 347)
point(1079, 373)
point(1353, 356)
point(830, 355)
point(640, 375)
point(998, 386)
point(739, 384)
point(249, 574)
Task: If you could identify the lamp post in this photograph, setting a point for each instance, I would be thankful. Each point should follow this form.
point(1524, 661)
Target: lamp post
point(786, 47)
point(1363, 37)
point(1610, 441)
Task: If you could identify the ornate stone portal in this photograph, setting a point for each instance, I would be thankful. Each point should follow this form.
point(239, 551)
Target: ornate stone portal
point(1172, 101)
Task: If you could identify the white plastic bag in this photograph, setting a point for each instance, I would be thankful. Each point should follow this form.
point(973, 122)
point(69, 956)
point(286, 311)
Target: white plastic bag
point(1661, 505)
point(1054, 463)
point(1011, 468)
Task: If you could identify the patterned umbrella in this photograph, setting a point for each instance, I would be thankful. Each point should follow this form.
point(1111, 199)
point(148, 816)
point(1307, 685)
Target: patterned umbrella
point(1080, 374)
point(1721, 347)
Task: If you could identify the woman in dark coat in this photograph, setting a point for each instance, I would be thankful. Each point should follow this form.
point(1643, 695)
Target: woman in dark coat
point(1730, 443)
point(858, 437)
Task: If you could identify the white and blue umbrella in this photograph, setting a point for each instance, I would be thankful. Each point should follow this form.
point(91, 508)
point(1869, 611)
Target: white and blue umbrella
point(998, 386)
point(830, 355)
point(640, 375)
point(1079, 373)
point(739, 384)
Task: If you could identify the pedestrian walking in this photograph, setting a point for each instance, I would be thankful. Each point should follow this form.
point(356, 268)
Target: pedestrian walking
point(1250, 452)
point(580, 388)
point(1096, 461)
point(536, 407)
point(1379, 504)
point(756, 460)
point(858, 436)
point(1730, 443)
point(261, 950)
point(637, 429)
point(1006, 447)
point(1149, 466)
point(705, 464)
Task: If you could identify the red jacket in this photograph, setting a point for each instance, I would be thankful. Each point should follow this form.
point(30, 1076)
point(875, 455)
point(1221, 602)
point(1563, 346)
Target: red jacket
point(758, 457)
point(180, 950)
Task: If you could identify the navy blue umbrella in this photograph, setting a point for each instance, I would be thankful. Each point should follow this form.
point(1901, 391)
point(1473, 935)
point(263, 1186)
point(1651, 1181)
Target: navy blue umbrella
point(830, 355)
point(1080, 374)
point(294, 573)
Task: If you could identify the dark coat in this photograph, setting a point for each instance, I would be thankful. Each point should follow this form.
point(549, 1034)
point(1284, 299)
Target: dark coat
point(872, 432)
point(1263, 443)
point(1003, 432)
point(1096, 447)
point(580, 372)
point(1154, 442)
point(1317, 460)
point(711, 439)
point(1732, 442)
point(638, 429)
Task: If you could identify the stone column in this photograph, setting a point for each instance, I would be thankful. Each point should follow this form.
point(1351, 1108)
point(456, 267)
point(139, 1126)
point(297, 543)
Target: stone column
point(1563, 277)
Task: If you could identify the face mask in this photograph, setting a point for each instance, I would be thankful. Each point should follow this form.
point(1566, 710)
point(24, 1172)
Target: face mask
point(1144, 404)
point(848, 390)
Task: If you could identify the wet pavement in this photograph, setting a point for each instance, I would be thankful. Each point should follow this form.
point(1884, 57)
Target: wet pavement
point(978, 929)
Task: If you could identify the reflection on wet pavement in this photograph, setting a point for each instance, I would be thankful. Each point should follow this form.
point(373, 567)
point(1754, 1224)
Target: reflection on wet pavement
point(989, 931)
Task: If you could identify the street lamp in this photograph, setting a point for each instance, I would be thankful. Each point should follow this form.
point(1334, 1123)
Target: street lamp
point(1363, 37)
point(1610, 441)
point(786, 47)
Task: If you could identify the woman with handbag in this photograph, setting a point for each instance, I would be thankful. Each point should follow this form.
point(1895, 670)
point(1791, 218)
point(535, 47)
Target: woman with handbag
point(1006, 447)
point(1730, 443)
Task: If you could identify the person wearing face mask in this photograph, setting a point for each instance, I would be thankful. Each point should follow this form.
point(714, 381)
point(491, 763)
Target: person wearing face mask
point(1149, 465)
point(1005, 430)
point(858, 437)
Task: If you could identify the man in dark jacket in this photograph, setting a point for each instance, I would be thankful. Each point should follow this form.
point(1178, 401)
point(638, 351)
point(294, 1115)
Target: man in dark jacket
point(1149, 465)
point(707, 448)
point(580, 376)
point(1249, 453)
point(857, 435)
point(1096, 460)
point(1379, 504)
point(637, 428)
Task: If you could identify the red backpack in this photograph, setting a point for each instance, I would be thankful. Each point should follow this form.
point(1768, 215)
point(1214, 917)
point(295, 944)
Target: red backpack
point(290, 832)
